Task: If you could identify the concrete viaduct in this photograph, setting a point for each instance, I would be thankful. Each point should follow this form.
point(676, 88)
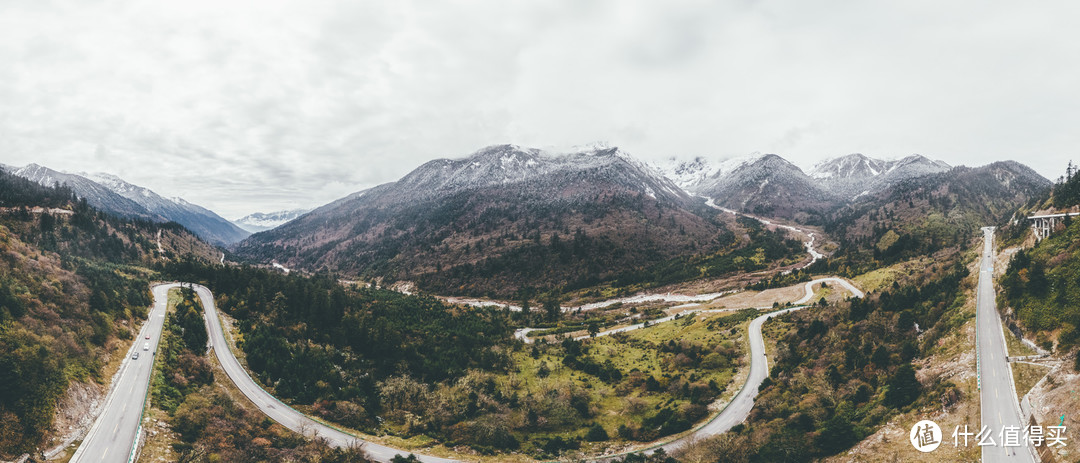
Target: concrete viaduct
point(1043, 225)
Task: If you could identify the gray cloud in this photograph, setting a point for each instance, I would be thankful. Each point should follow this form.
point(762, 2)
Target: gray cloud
point(262, 105)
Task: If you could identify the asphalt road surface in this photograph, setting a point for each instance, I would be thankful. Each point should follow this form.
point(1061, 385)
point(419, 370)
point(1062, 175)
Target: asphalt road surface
point(112, 436)
point(810, 288)
point(276, 410)
point(1000, 407)
point(739, 408)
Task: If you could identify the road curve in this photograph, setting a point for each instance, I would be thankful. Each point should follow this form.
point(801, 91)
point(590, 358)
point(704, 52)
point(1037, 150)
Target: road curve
point(810, 288)
point(738, 409)
point(734, 413)
point(523, 333)
point(112, 437)
point(998, 404)
point(274, 408)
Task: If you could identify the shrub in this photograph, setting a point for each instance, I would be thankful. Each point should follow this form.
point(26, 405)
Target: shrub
point(596, 433)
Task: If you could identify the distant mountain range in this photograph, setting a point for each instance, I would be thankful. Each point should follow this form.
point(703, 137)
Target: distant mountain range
point(855, 174)
point(500, 219)
point(489, 213)
point(112, 194)
point(476, 214)
point(770, 185)
point(262, 221)
point(936, 208)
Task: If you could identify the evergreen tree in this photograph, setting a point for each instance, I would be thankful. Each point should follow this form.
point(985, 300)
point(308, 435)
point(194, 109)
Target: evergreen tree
point(904, 388)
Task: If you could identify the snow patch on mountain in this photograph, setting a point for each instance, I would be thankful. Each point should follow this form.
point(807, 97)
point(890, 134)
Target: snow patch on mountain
point(692, 173)
point(114, 195)
point(849, 176)
point(260, 221)
point(512, 166)
point(852, 165)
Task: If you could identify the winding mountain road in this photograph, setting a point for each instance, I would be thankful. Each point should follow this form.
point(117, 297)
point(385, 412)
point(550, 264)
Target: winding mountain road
point(523, 333)
point(840, 281)
point(273, 407)
point(734, 413)
point(738, 409)
point(999, 407)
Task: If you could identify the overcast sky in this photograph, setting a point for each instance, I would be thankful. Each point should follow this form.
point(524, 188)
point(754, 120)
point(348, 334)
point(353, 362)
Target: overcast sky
point(264, 105)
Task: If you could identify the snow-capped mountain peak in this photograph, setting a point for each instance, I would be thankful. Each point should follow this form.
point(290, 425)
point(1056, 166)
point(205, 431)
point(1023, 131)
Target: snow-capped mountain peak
point(730, 165)
point(918, 163)
point(115, 195)
point(691, 173)
point(180, 201)
point(98, 195)
point(262, 221)
point(854, 165)
point(685, 173)
point(855, 174)
point(511, 166)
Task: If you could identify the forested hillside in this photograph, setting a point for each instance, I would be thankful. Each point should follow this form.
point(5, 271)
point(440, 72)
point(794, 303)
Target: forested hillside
point(1066, 191)
point(381, 361)
point(841, 371)
point(315, 342)
point(210, 424)
point(1040, 285)
point(74, 283)
point(507, 219)
point(923, 215)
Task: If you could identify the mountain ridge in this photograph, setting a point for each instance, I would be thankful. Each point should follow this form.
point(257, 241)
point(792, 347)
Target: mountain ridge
point(519, 216)
point(198, 219)
point(115, 195)
point(460, 216)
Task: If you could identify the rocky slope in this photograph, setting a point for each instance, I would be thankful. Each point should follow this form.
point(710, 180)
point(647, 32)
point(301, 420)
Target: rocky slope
point(855, 174)
point(765, 185)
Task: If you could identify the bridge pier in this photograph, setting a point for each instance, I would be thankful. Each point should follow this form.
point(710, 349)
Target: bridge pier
point(1043, 225)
